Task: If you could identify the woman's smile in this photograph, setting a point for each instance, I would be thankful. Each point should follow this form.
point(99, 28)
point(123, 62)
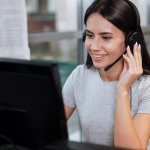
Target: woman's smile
point(98, 57)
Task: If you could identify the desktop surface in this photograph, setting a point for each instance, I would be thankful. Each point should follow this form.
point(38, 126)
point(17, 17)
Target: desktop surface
point(65, 145)
point(72, 145)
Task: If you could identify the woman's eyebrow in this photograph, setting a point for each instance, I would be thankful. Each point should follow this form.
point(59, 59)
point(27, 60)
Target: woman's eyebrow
point(86, 30)
point(101, 33)
point(106, 33)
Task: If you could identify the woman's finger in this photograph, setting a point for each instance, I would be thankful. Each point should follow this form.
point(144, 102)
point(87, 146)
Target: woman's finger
point(130, 59)
point(139, 55)
point(136, 54)
point(127, 60)
point(130, 55)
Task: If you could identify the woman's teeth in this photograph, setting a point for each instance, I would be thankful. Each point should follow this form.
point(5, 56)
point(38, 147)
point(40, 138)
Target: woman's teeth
point(100, 56)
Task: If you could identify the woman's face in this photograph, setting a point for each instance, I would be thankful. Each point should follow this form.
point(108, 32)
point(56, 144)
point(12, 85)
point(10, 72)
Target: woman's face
point(104, 41)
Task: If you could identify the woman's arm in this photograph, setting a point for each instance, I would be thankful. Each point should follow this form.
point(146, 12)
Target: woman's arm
point(130, 132)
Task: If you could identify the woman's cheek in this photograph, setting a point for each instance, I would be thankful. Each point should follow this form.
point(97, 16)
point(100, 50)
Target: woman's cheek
point(87, 45)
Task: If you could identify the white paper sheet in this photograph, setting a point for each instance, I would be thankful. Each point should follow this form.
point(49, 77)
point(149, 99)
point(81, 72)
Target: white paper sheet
point(13, 29)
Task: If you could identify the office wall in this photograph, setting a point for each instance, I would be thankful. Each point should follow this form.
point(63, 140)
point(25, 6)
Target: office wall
point(143, 7)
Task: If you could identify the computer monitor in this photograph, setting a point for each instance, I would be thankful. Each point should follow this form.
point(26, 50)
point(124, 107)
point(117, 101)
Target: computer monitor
point(31, 106)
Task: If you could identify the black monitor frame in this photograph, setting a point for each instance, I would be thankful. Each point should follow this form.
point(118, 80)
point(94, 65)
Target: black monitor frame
point(31, 105)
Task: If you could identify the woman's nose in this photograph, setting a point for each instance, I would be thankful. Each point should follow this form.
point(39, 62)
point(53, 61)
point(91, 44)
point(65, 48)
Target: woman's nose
point(96, 44)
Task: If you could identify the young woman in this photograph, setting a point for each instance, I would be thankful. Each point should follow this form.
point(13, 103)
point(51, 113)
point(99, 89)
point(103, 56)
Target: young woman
point(113, 104)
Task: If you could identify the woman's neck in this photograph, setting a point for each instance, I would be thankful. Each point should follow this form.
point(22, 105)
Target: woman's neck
point(113, 74)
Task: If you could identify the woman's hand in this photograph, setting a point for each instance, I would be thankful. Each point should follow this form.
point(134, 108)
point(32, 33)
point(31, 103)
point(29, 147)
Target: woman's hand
point(132, 68)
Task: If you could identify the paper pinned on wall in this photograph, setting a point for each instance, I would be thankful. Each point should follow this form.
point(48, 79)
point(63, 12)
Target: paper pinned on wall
point(13, 29)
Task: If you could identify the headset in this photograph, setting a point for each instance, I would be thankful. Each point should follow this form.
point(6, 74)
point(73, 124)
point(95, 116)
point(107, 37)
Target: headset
point(133, 36)
point(130, 39)
point(84, 36)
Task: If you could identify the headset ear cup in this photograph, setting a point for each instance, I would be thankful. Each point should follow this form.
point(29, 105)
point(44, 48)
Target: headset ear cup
point(132, 38)
point(84, 36)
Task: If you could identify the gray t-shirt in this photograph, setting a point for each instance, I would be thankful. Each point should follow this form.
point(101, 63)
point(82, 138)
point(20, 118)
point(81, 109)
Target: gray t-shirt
point(94, 100)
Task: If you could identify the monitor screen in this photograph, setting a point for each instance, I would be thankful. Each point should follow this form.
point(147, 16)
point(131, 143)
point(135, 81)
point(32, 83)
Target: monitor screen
point(31, 106)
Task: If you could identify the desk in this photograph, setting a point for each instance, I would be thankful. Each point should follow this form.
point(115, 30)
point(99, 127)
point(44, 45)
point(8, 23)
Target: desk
point(64, 145)
point(68, 145)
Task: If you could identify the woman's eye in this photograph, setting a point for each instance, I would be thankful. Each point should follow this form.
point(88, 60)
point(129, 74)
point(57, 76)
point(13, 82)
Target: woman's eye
point(90, 36)
point(106, 38)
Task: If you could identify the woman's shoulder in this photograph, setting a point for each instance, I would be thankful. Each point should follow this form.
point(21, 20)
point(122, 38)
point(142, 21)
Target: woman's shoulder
point(145, 78)
point(82, 72)
point(144, 94)
point(80, 67)
point(144, 81)
point(83, 69)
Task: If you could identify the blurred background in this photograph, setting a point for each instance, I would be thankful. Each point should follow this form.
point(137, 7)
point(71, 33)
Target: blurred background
point(55, 34)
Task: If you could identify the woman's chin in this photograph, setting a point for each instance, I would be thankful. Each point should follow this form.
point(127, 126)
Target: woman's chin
point(98, 66)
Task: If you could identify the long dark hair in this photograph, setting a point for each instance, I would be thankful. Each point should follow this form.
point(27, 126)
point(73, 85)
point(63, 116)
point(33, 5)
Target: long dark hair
point(125, 16)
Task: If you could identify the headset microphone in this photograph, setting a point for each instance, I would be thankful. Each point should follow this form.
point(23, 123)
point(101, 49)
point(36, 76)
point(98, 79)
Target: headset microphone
point(109, 66)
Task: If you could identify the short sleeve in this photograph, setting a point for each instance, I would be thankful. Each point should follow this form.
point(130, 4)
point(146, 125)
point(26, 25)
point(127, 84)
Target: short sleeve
point(144, 98)
point(68, 90)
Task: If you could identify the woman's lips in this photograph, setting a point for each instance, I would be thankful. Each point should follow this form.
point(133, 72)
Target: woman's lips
point(98, 57)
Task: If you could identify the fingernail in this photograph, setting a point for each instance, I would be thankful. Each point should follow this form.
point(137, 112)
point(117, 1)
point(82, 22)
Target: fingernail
point(128, 47)
point(139, 45)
